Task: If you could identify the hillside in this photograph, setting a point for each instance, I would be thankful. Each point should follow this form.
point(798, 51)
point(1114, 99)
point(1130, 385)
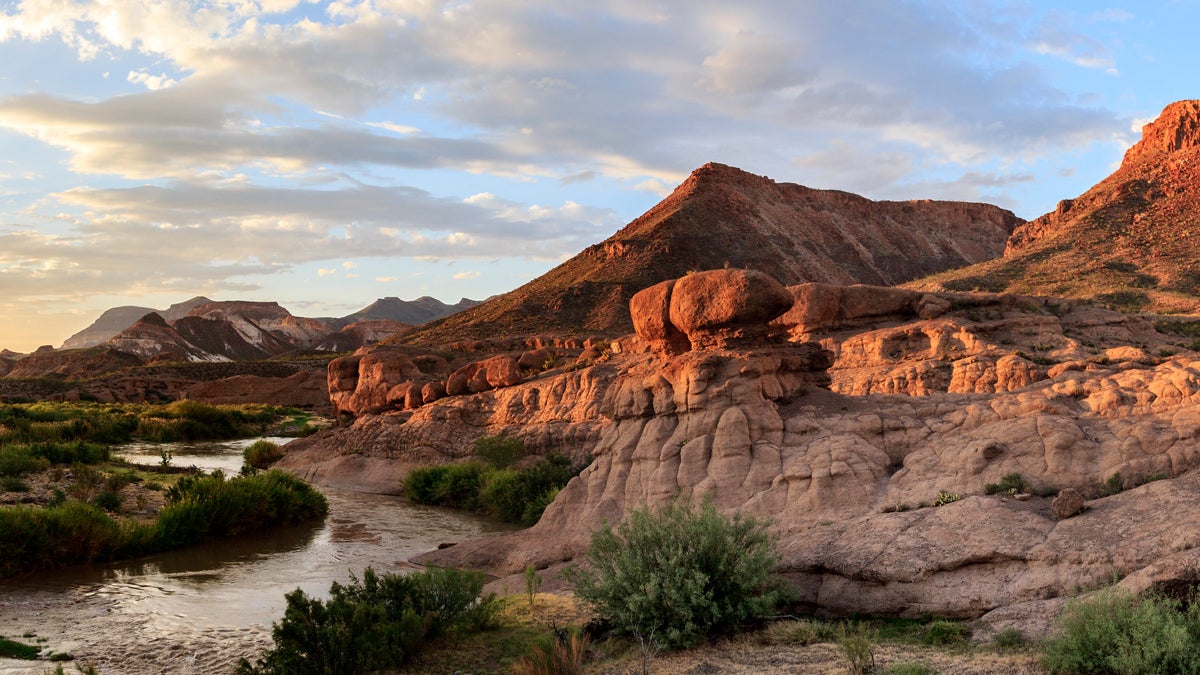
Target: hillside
point(1130, 242)
point(722, 216)
point(117, 319)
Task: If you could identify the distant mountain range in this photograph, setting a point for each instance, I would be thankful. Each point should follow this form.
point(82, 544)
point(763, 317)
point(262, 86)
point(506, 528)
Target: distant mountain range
point(114, 321)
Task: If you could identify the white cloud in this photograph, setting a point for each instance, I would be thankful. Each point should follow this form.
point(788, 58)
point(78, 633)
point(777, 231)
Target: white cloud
point(326, 271)
point(466, 275)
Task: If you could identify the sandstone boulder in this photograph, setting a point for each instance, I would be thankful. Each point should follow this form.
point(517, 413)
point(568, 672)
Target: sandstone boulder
point(721, 308)
point(1067, 503)
point(651, 312)
point(485, 375)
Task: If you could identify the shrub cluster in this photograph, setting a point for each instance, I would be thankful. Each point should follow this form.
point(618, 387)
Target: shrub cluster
point(679, 575)
point(33, 538)
point(512, 495)
point(379, 623)
point(261, 454)
point(110, 424)
point(1114, 631)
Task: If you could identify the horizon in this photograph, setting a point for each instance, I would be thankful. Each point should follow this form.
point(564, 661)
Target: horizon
point(324, 154)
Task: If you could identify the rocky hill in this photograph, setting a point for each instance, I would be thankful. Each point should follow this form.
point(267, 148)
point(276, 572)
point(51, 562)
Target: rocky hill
point(1130, 241)
point(722, 216)
point(117, 319)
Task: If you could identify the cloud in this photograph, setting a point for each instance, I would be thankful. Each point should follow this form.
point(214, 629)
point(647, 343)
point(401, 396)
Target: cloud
point(461, 276)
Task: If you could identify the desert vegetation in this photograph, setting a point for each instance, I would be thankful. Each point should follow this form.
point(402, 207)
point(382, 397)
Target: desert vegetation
point(82, 511)
point(198, 509)
point(493, 484)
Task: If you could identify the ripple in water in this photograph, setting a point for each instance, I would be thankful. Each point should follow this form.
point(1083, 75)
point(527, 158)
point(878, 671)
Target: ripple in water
point(199, 609)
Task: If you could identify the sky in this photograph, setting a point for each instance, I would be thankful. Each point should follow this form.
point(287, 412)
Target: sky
point(323, 154)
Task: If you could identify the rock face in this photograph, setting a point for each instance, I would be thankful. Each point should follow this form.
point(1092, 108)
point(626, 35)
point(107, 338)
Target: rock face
point(848, 481)
point(1127, 242)
point(304, 389)
point(724, 217)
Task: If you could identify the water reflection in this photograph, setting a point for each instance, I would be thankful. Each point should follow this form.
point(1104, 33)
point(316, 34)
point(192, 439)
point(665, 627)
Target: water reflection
point(224, 594)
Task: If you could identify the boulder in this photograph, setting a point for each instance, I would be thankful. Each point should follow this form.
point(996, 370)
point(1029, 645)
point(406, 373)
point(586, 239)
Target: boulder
point(727, 307)
point(650, 309)
point(1068, 503)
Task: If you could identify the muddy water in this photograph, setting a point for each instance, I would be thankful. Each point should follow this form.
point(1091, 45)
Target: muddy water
point(198, 610)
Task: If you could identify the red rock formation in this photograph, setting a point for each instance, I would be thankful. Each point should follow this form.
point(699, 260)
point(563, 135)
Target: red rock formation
point(1129, 241)
point(722, 216)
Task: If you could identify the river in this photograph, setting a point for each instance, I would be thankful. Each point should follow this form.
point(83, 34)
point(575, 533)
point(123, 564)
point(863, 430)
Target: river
point(198, 610)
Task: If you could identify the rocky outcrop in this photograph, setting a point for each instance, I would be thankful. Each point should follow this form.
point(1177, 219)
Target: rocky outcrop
point(360, 334)
point(72, 364)
point(304, 389)
point(849, 482)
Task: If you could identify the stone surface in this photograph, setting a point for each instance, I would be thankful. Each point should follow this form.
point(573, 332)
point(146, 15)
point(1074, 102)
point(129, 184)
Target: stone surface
point(721, 308)
point(1067, 503)
point(1064, 394)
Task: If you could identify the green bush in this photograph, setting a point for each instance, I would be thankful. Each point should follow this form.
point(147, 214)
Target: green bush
point(212, 507)
point(200, 509)
point(679, 575)
point(1113, 631)
point(941, 632)
point(1011, 484)
point(421, 484)
point(262, 454)
point(11, 649)
point(508, 494)
point(108, 500)
point(379, 623)
point(500, 451)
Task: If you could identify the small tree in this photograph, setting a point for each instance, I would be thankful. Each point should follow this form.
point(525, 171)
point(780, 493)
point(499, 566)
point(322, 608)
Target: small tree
point(680, 574)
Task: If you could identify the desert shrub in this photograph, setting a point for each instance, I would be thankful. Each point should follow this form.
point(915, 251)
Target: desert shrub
point(460, 486)
point(554, 657)
point(262, 454)
point(71, 532)
point(13, 484)
point(17, 461)
point(1113, 631)
point(421, 484)
point(1011, 484)
point(508, 494)
point(1009, 638)
point(857, 646)
point(941, 632)
point(211, 507)
point(35, 538)
point(379, 623)
point(500, 451)
point(944, 497)
point(108, 500)
point(1112, 486)
point(679, 574)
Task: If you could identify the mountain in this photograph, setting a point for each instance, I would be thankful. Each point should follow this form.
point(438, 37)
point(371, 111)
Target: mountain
point(1131, 241)
point(722, 216)
point(117, 319)
point(412, 312)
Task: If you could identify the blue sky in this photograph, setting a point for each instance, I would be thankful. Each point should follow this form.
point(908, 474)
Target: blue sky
point(325, 154)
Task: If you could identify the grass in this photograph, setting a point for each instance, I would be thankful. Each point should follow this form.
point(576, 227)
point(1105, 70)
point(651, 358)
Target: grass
point(11, 649)
point(37, 538)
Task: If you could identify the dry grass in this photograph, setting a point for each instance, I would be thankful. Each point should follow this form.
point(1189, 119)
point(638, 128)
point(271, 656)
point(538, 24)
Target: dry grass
point(780, 647)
